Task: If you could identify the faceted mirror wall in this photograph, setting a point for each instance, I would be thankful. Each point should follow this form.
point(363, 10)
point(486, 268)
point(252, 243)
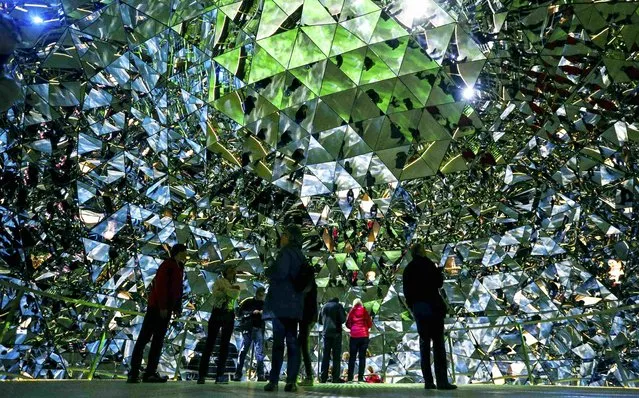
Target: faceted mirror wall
point(504, 133)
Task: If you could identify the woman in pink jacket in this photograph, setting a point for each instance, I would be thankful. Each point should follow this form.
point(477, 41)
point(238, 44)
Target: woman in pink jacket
point(359, 322)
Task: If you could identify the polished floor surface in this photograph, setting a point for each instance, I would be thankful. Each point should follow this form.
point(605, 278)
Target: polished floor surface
point(112, 388)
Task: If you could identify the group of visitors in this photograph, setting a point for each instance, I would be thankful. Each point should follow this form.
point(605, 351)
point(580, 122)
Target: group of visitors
point(290, 304)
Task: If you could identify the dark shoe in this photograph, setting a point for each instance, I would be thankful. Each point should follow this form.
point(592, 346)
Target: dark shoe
point(430, 386)
point(133, 379)
point(222, 380)
point(262, 378)
point(270, 386)
point(200, 380)
point(237, 378)
point(447, 386)
point(290, 387)
point(154, 378)
point(307, 382)
point(322, 381)
point(338, 381)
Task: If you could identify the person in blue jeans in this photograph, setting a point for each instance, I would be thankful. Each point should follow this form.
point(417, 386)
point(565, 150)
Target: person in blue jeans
point(284, 307)
point(252, 326)
point(331, 318)
point(309, 318)
point(422, 281)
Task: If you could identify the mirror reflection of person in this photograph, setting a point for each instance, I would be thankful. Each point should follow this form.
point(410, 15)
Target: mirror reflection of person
point(225, 293)
point(165, 298)
point(422, 281)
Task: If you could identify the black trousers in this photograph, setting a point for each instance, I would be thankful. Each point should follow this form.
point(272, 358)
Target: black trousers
point(357, 346)
point(430, 326)
point(153, 327)
point(332, 348)
point(302, 340)
point(220, 319)
point(284, 334)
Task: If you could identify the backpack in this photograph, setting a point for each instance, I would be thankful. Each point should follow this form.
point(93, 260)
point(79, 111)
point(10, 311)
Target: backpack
point(303, 281)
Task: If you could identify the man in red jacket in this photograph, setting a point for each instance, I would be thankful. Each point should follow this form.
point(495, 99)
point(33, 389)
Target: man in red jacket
point(165, 298)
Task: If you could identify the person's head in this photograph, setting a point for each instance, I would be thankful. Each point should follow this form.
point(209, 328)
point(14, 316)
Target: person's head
point(357, 302)
point(291, 236)
point(260, 293)
point(418, 249)
point(229, 272)
point(178, 252)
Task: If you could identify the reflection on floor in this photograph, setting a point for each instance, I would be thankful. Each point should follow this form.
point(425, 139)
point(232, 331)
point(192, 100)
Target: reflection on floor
point(118, 388)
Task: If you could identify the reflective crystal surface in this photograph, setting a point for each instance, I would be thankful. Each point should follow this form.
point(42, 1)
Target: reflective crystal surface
point(504, 133)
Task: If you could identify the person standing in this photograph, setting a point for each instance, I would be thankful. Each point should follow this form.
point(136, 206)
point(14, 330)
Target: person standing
point(359, 322)
point(309, 318)
point(252, 326)
point(284, 307)
point(331, 318)
point(165, 298)
point(225, 293)
point(422, 281)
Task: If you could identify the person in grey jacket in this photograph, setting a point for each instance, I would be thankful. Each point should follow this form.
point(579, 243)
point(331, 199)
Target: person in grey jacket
point(284, 307)
point(331, 318)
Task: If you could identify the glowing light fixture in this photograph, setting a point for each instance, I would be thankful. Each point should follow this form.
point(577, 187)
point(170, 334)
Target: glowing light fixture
point(469, 92)
point(36, 19)
point(414, 8)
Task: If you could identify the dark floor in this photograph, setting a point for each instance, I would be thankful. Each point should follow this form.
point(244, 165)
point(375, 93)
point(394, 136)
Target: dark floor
point(104, 388)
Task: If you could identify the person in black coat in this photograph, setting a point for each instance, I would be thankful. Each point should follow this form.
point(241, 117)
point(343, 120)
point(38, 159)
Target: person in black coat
point(332, 317)
point(422, 281)
point(309, 318)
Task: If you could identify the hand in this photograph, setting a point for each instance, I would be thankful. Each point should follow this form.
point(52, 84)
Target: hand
point(164, 314)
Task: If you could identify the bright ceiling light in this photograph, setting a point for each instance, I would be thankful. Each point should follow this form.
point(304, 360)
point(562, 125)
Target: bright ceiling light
point(414, 8)
point(469, 92)
point(36, 19)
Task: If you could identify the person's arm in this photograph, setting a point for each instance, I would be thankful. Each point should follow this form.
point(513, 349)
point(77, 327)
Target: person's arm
point(407, 280)
point(161, 283)
point(439, 277)
point(176, 289)
point(321, 316)
point(349, 319)
point(241, 308)
point(369, 320)
point(231, 291)
point(341, 313)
